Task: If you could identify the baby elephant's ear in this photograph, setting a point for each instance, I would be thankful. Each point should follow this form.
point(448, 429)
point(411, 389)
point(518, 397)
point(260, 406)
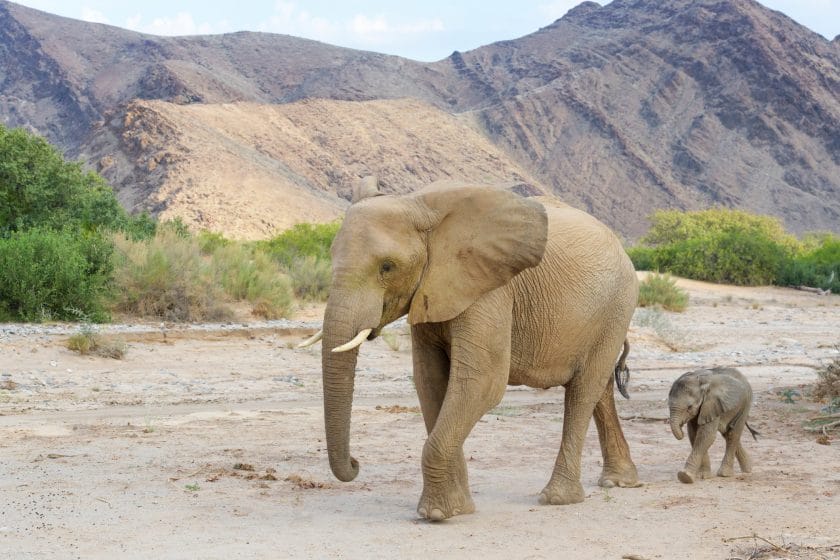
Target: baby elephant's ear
point(720, 395)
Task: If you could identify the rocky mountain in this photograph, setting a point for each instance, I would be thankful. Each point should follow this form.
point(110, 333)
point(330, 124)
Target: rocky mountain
point(618, 109)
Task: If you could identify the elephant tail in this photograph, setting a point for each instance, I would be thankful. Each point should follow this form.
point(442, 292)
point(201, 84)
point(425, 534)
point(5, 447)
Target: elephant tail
point(752, 432)
point(622, 372)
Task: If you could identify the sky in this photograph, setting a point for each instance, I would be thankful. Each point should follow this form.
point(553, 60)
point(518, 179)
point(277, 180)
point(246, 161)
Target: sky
point(427, 31)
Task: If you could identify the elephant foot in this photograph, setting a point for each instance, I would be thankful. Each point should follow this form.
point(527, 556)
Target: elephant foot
point(437, 506)
point(560, 494)
point(704, 473)
point(686, 477)
point(726, 471)
point(625, 477)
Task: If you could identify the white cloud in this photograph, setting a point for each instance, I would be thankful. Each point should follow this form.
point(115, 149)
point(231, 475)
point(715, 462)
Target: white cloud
point(357, 31)
point(290, 20)
point(93, 16)
point(379, 29)
point(181, 24)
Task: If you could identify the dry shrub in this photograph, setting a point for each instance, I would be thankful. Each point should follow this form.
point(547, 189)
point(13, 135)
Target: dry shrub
point(251, 275)
point(167, 277)
point(662, 290)
point(89, 342)
point(828, 382)
point(311, 277)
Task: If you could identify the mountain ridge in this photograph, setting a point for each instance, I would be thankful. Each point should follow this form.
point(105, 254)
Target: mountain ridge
point(617, 109)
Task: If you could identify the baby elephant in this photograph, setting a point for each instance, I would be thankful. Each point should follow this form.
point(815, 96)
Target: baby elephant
point(711, 400)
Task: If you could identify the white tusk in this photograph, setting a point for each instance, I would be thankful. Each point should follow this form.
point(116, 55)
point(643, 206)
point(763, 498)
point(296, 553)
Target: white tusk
point(312, 339)
point(363, 334)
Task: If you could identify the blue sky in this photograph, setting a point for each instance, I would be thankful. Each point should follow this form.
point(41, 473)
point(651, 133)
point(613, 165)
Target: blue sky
point(428, 30)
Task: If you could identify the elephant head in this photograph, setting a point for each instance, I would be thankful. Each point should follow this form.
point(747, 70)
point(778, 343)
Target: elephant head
point(703, 394)
point(430, 255)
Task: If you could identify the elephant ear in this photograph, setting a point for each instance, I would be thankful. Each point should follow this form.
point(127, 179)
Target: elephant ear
point(721, 394)
point(478, 239)
point(365, 187)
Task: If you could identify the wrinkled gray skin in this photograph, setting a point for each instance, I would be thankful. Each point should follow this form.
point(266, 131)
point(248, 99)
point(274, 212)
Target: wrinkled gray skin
point(710, 401)
point(499, 290)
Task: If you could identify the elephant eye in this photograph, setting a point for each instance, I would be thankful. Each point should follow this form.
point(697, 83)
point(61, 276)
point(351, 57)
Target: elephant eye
point(386, 267)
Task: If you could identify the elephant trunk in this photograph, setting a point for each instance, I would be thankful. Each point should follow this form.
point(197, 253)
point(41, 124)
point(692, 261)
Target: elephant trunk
point(341, 324)
point(677, 420)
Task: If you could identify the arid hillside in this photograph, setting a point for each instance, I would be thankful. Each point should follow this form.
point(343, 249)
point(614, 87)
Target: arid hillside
point(251, 170)
point(617, 109)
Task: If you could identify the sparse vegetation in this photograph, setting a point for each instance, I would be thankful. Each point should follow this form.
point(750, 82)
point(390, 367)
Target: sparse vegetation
point(167, 277)
point(662, 290)
point(311, 278)
point(248, 274)
point(177, 278)
point(668, 333)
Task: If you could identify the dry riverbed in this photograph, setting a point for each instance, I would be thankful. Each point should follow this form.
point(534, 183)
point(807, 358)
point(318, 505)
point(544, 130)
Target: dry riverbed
point(207, 442)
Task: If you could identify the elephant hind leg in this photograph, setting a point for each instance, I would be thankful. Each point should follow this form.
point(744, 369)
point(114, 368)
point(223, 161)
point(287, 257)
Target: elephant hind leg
point(732, 436)
point(744, 460)
point(619, 469)
point(584, 393)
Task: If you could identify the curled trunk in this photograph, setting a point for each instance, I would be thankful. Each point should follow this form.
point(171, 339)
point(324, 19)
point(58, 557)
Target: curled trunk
point(677, 421)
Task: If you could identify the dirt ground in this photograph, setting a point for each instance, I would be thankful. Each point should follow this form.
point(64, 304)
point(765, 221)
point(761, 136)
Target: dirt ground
point(208, 443)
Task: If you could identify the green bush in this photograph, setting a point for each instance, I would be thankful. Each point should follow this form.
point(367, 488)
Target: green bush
point(302, 240)
point(673, 226)
point(38, 188)
point(642, 257)
point(725, 246)
point(662, 290)
point(54, 275)
point(817, 265)
point(734, 257)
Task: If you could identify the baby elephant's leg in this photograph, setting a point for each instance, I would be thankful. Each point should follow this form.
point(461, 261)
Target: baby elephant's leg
point(705, 470)
point(743, 459)
point(733, 450)
point(703, 438)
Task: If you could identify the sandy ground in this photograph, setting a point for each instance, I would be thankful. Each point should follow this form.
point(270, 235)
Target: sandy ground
point(208, 443)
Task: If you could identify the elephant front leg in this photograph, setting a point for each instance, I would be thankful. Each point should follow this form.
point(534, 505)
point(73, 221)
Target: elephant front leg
point(697, 466)
point(479, 364)
point(431, 375)
point(619, 469)
point(446, 491)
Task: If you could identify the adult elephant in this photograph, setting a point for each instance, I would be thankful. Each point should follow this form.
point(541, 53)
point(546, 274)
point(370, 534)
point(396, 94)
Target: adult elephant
point(499, 290)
